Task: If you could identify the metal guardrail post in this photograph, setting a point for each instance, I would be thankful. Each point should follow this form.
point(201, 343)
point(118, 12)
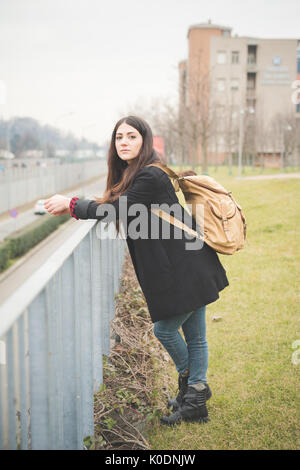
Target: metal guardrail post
point(24, 380)
point(4, 427)
point(66, 302)
point(84, 344)
point(11, 385)
point(55, 362)
point(111, 274)
point(39, 373)
point(104, 249)
point(97, 320)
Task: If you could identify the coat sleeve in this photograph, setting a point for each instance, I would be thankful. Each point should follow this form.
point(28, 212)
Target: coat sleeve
point(142, 191)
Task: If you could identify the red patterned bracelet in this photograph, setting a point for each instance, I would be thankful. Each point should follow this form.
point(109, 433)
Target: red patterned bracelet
point(72, 207)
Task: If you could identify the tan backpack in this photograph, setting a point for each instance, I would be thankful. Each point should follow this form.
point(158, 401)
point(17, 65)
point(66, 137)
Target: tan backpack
point(224, 222)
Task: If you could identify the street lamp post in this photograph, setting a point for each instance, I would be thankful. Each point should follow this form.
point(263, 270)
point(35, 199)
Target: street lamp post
point(282, 150)
point(241, 135)
point(241, 131)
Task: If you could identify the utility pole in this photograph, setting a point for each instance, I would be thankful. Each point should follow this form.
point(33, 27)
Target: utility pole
point(241, 137)
point(241, 131)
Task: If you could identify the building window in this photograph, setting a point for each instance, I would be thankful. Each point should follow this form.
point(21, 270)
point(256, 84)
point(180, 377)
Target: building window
point(234, 83)
point(252, 51)
point(298, 108)
point(226, 33)
point(251, 104)
point(235, 57)
point(221, 57)
point(221, 84)
point(251, 81)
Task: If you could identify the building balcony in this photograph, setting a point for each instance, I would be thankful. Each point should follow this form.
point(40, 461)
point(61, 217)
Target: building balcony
point(251, 94)
point(252, 67)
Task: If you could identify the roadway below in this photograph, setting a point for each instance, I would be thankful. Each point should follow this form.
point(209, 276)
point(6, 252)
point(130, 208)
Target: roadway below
point(9, 225)
point(19, 272)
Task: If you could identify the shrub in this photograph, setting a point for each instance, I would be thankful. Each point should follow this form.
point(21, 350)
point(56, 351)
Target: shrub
point(24, 241)
point(4, 255)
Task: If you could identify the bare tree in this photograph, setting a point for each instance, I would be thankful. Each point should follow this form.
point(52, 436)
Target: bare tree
point(228, 115)
point(249, 140)
point(217, 135)
point(199, 114)
point(285, 134)
point(261, 140)
point(163, 117)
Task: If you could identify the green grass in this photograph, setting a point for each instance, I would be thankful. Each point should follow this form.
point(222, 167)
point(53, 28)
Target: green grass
point(249, 170)
point(221, 172)
point(255, 402)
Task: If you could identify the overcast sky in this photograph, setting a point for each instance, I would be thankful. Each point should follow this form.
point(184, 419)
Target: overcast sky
point(97, 58)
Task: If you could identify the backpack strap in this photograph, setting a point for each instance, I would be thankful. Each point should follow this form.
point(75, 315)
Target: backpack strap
point(177, 223)
point(166, 169)
point(168, 217)
point(170, 173)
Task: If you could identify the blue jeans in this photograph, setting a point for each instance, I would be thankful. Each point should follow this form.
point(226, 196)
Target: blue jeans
point(192, 353)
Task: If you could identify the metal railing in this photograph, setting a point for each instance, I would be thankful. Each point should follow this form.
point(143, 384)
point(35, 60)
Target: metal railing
point(54, 331)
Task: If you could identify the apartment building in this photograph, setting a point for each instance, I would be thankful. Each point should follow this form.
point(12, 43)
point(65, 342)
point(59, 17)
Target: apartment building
point(250, 90)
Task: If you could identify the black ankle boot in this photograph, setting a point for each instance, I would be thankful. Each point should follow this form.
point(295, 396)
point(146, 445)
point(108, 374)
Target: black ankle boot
point(192, 409)
point(182, 387)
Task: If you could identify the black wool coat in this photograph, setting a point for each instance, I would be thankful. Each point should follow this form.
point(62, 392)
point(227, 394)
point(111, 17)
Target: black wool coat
point(174, 280)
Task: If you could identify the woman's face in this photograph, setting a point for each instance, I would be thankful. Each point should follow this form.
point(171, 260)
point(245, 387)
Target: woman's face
point(128, 142)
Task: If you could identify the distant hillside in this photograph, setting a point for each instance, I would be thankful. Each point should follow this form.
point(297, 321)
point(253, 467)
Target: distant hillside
point(26, 133)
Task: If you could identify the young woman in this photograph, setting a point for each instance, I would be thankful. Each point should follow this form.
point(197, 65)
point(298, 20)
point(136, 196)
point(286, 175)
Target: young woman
point(177, 282)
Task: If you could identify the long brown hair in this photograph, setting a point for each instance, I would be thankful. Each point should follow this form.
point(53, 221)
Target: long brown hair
point(121, 175)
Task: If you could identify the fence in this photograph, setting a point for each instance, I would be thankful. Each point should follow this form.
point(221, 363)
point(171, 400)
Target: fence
point(21, 185)
point(54, 331)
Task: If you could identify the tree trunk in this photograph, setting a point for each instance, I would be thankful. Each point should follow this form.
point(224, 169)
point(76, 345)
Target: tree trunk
point(230, 162)
point(204, 158)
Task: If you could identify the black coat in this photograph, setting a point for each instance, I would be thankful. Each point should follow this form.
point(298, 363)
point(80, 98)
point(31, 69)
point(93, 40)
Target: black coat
point(174, 280)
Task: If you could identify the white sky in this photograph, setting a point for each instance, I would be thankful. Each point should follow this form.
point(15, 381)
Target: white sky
point(97, 58)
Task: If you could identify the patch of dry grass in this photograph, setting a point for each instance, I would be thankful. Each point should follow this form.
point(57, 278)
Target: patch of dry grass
point(129, 400)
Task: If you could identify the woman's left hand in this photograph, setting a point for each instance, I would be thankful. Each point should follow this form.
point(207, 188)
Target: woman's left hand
point(57, 205)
